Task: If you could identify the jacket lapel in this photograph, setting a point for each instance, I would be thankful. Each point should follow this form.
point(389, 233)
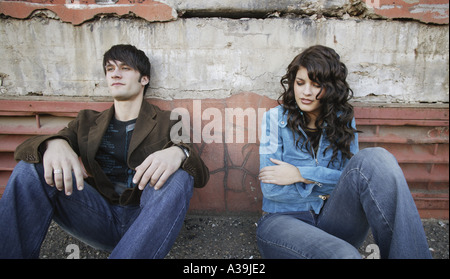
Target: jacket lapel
point(144, 125)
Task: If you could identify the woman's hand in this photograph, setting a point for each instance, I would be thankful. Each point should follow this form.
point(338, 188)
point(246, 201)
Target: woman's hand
point(281, 174)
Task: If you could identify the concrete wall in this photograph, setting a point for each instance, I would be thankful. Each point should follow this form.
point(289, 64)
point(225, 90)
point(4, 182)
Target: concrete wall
point(215, 49)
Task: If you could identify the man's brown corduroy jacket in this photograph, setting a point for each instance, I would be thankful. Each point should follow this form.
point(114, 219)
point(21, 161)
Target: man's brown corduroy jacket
point(84, 134)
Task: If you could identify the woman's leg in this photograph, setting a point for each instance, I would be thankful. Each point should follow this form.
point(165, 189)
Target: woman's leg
point(373, 190)
point(294, 236)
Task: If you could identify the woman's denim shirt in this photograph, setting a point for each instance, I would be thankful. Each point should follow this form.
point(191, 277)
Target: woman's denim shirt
point(277, 142)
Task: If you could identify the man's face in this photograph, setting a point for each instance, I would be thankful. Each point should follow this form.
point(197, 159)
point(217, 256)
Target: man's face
point(124, 82)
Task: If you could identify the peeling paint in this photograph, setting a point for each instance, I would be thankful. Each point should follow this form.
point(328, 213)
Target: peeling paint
point(441, 11)
point(77, 13)
point(435, 11)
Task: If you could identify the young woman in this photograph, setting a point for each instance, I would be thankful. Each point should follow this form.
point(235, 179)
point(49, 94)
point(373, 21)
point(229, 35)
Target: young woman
point(321, 194)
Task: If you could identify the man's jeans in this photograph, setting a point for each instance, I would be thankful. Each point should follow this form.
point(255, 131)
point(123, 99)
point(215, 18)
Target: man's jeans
point(372, 191)
point(146, 231)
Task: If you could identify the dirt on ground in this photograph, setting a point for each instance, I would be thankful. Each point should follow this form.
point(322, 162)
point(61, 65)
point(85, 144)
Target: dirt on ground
point(220, 237)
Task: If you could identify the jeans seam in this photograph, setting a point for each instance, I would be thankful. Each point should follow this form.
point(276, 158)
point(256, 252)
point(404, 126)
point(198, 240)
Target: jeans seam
point(35, 252)
point(180, 213)
point(379, 208)
point(280, 245)
point(170, 231)
point(367, 181)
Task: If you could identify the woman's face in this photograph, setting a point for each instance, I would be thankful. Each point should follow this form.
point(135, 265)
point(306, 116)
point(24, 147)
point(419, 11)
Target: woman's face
point(306, 92)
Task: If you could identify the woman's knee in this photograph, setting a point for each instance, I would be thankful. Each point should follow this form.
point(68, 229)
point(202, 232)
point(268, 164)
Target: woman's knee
point(375, 158)
point(376, 155)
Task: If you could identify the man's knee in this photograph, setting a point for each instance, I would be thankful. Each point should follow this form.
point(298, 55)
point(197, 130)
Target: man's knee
point(24, 171)
point(180, 180)
point(179, 184)
point(27, 182)
point(23, 167)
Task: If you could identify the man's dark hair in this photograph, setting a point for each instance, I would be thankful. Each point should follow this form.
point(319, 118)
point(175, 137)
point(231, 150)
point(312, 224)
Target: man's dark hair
point(131, 56)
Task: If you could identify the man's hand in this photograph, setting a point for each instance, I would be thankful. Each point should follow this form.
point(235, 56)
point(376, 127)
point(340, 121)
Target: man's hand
point(281, 174)
point(59, 161)
point(158, 167)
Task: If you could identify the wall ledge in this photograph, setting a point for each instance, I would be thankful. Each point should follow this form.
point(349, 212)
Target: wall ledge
point(79, 11)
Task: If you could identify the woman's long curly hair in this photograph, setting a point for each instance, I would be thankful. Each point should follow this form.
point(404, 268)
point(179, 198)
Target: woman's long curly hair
point(325, 68)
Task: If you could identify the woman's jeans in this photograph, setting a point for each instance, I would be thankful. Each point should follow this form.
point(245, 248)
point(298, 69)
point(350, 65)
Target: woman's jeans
point(147, 230)
point(372, 192)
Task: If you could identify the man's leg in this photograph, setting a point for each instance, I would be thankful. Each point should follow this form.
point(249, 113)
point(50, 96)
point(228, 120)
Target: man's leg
point(27, 208)
point(25, 213)
point(154, 231)
point(86, 215)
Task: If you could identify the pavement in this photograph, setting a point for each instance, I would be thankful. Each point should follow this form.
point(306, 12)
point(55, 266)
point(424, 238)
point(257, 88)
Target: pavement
point(221, 237)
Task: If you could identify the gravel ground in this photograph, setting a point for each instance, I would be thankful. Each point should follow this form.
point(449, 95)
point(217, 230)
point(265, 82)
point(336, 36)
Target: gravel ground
point(219, 237)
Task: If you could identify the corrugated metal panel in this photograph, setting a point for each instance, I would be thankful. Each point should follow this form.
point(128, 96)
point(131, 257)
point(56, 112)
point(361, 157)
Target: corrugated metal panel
point(418, 138)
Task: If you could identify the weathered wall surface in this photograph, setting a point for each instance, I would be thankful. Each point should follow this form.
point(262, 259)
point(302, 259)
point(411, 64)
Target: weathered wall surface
point(79, 11)
point(215, 49)
point(393, 61)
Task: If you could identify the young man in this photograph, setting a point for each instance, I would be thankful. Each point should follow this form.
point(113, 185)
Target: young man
point(114, 179)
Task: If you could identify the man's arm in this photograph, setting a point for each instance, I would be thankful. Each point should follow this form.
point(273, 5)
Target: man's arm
point(158, 167)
